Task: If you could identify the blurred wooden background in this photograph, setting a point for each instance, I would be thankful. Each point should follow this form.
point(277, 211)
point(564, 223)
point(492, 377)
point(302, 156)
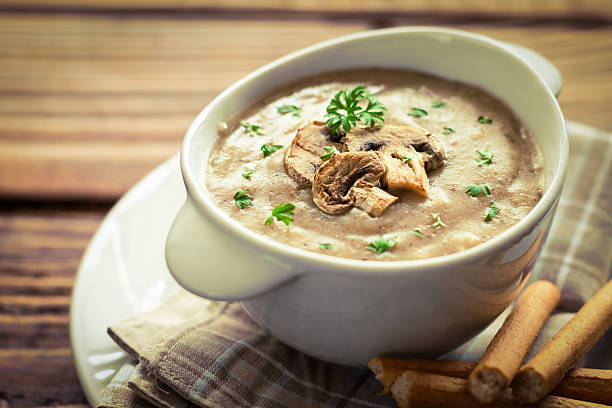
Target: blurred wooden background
point(94, 94)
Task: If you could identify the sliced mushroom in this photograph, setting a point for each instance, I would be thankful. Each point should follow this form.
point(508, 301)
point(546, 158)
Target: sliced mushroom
point(302, 157)
point(334, 183)
point(429, 147)
point(404, 169)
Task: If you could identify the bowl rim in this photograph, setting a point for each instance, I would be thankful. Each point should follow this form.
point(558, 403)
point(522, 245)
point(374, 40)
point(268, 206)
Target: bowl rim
point(327, 263)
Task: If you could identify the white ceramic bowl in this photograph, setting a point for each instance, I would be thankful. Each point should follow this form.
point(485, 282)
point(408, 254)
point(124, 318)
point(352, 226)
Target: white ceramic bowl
point(344, 310)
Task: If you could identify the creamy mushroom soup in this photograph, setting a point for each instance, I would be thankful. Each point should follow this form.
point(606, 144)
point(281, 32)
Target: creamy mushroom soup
point(428, 167)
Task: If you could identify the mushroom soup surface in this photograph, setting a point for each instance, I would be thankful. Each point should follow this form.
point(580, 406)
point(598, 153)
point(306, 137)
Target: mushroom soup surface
point(450, 167)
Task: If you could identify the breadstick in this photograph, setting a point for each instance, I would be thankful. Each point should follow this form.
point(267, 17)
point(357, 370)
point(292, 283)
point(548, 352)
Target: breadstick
point(508, 349)
point(544, 371)
point(388, 369)
point(586, 384)
point(415, 389)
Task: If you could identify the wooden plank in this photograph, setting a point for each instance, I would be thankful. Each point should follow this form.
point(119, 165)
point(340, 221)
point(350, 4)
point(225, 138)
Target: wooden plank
point(337, 6)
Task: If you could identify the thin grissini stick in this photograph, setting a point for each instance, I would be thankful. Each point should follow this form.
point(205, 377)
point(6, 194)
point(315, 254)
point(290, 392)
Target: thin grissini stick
point(508, 349)
point(387, 369)
point(414, 389)
point(586, 384)
point(545, 370)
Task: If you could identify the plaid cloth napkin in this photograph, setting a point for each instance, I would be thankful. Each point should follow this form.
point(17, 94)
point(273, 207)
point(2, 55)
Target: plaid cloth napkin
point(195, 352)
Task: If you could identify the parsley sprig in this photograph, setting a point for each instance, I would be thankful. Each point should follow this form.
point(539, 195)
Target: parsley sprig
point(477, 189)
point(247, 174)
point(418, 233)
point(492, 211)
point(289, 109)
point(406, 159)
point(252, 129)
point(325, 246)
point(438, 104)
point(437, 221)
point(243, 199)
point(486, 157)
point(448, 131)
point(268, 149)
point(485, 120)
point(281, 213)
point(331, 152)
point(382, 245)
point(344, 110)
point(418, 112)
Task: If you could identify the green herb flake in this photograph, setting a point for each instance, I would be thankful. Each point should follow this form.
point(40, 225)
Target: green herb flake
point(448, 131)
point(289, 109)
point(268, 149)
point(418, 233)
point(438, 104)
point(437, 221)
point(325, 246)
point(418, 112)
point(382, 245)
point(406, 159)
point(331, 152)
point(486, 157)
point(252, 129)
point(474, 95)
point(281, 213)
point(247, 174)
point(344, 110)
point(492, 211)
point(482, 119)
point(243, 199)
point(477, 189)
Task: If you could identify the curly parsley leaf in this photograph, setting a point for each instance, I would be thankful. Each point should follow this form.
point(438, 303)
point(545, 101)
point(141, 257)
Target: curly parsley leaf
point(252, 129)
point(325, 246)
point(331, 152)
point(482, 119)
point(268, 149)
point(296, 111)
point(477, 189)
point(281, 213)
point(437, 221)
point(418, 233)
point(247, 174)
point(406, 159)
point(344, 111)
point(438, 104)
point(418, 112)
point(243, 199)
point(486, 157)
point(492, 211)
point(382, 245)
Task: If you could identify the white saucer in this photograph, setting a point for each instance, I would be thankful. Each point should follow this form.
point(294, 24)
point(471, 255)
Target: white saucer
point(123, 272)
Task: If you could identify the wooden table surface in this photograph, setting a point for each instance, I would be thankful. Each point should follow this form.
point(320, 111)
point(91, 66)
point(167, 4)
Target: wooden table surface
point(94, 94)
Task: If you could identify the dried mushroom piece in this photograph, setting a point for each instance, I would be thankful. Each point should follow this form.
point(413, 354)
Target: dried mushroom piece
point(302, 158)
point(348, 179)
point(406, 151)
point(428, 146)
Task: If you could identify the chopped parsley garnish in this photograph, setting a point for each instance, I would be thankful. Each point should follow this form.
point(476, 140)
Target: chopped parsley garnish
point(474, 95)
point(331, 152)
point(281, 213)
point(437, 221)
point(418, 233)
point(418, 112)
point(325, 246)
point(247, 174)
point(289, 109)
point(482, 119)
point(492, 212)
point(252, 129)
point(344, 110)
point(243, 198)
point(477, 189)
point(382, 245)
point(268, 149)
point(406, 159)
point(448, 131)
point(486, 157)
point(438, 104)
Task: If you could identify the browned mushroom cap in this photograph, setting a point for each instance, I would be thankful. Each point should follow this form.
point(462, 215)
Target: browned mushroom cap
point(302, 157)
point(334, 183)
point(428, 146)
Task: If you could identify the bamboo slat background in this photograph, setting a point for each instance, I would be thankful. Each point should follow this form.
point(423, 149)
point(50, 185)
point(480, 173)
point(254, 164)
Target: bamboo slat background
point(94, 94)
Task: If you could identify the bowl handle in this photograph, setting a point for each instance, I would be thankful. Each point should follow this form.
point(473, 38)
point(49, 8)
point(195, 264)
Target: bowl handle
point(211, 263)
point(547, 71)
